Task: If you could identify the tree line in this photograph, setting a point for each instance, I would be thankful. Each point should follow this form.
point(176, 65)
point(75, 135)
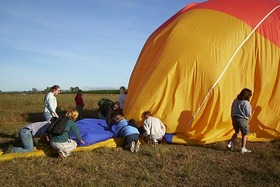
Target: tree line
point(72, 90)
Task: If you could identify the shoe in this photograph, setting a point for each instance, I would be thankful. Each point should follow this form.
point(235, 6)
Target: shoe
point(244, 150)
point(230, 147)
point(61, 154)
point(137, 148)
point(8, 149)
point(132, 147)
point(154, 142)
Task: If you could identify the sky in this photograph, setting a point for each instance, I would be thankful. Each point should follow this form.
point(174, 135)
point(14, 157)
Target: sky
point(92, 44)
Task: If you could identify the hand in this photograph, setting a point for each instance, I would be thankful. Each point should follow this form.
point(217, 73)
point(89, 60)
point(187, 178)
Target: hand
point(82, 142)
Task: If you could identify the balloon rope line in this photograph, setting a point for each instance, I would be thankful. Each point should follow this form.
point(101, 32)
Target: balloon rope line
point(231, 59)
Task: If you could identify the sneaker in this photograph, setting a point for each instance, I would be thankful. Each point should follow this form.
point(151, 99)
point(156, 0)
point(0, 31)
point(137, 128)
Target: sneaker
point(132, 146)
point(230, 147)
point(8, 149)
point(137, 148)
point(244, 150)
point(61, 154)
point(154, 142)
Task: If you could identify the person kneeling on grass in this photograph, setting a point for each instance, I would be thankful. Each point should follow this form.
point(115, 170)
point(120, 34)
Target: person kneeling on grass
point(63, 143)
point(154, 129)
point(26, 135)
point(130, 133)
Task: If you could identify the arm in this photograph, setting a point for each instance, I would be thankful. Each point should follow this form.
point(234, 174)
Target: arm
point(76, 132)
point(146, 127)
point(248, 109)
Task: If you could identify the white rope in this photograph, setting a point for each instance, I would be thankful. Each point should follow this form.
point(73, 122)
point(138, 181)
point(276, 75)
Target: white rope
point(231, 59)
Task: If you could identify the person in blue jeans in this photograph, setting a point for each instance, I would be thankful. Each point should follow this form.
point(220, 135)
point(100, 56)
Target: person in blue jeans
point(26, 135)
point(130, 133)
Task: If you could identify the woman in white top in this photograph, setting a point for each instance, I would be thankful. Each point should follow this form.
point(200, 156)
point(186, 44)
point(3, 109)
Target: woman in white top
point(51, 103)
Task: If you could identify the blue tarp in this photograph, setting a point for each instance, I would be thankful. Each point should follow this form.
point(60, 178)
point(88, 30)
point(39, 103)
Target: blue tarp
point(96, 130)
point(93, 131)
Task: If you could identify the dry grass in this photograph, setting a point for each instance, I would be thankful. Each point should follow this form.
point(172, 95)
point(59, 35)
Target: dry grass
point(164, 165)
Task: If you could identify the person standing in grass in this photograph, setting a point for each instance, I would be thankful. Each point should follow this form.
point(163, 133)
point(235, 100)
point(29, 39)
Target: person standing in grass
point(26, 135)
point(123, 129)
point(63, 143)
point(241, 111)
point(122, 97)
point(80, 104)
point(154, 129)
point(50, 103)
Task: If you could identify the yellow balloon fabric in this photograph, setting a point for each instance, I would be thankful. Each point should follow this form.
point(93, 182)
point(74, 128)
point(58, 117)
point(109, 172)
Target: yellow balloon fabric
point(192, 68)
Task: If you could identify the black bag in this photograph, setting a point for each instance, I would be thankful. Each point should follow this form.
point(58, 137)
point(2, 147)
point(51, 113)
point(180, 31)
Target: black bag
point(58, 125)
point(132, 122)
point(105, 101)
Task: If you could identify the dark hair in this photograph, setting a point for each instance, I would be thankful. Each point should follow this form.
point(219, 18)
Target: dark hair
point(245, 94)
point(147, 113)
point(54, 87)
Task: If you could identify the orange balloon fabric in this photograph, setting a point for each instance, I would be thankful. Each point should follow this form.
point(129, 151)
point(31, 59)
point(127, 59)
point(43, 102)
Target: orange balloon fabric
point(194, 65)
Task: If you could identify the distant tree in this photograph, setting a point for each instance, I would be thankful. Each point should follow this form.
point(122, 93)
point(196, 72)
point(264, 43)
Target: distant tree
point(77, 88)
point(47, 89)
point(74, 89)
point(34, 90)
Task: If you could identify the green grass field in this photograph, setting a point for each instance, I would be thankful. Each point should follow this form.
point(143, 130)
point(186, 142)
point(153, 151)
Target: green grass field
point(164, 165)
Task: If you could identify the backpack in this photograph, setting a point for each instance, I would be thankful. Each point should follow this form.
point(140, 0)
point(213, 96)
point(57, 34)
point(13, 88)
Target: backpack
point(132, 122)
point(58, 125)
point(105, 101)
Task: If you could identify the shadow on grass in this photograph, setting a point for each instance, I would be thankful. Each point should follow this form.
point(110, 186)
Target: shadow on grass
point(13, 140)
point(39, 116)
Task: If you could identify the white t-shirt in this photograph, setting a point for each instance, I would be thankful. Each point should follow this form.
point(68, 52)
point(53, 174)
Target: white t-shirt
point(154, 127)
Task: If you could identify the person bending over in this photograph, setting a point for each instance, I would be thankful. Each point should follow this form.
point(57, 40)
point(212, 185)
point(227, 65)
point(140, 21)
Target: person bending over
point(154, 129)
point(63, 143)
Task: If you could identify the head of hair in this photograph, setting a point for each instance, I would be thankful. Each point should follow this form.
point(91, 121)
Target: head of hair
point(117, 117)
point(147, 113)
point(72, 113)
point(80, 91)
point(54, 88)
point(245, 94)
point(123, 90)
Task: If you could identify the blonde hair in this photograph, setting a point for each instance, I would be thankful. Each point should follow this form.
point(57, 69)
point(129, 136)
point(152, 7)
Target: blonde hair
point(118, 118)
point(72, 114)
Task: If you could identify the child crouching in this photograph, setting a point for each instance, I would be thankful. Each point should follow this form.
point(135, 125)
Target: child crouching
point(130, 133)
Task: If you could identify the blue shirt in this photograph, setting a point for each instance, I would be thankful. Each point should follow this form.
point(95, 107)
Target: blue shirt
point(122, 129)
